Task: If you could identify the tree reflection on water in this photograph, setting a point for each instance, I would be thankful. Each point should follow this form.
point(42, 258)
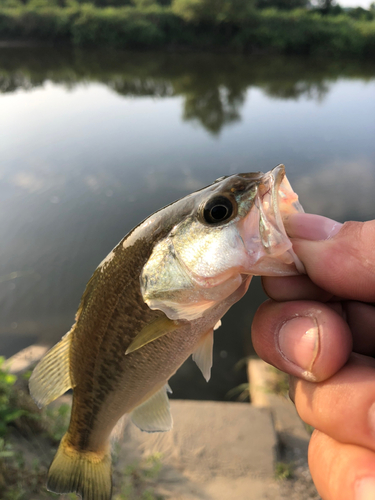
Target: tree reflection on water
point(213, 86)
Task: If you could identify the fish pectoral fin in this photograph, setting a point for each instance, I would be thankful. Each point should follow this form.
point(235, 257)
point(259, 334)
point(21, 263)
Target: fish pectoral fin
point(154, 415)
point(203, 355)
point(51, 376)
point(152, 331)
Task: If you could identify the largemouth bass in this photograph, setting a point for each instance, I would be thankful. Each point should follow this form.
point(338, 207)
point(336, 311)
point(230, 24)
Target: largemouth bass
point(151, 303)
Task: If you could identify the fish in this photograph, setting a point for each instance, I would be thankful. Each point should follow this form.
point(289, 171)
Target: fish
point(152, 302)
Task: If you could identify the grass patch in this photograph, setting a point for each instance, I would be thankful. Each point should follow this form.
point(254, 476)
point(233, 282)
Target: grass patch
point(9, 410)
point(19, 476)
point(240, 392)
point(284, 470)
point(57, 420)
point(138, 479)
point(278, 383)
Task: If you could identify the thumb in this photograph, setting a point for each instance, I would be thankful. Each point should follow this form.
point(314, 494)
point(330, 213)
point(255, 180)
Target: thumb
point(339, 258)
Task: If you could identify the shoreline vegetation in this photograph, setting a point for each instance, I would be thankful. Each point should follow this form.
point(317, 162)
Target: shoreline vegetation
point(197, 25)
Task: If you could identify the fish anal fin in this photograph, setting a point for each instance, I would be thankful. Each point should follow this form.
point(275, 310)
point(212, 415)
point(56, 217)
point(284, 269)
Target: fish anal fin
point(118, 430)
point(51, 376)
point(154, 330)
point(154, 414)
point(203, 354)
point(85, 473)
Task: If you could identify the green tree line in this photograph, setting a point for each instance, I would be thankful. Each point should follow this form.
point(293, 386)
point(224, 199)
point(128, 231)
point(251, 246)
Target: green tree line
point(232, 25)
point(206, 9)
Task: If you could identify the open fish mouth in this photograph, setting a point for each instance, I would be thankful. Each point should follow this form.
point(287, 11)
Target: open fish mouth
point(268, 246)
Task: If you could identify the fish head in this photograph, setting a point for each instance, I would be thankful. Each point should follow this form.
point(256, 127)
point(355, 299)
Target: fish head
point(231, 229)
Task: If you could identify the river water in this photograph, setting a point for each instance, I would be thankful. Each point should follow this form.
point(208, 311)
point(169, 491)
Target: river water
point(93, 142)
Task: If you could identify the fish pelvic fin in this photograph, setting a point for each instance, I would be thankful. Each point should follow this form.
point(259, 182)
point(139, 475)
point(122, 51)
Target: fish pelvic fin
point(203, 355)
point(51, 376)
point(84, 472)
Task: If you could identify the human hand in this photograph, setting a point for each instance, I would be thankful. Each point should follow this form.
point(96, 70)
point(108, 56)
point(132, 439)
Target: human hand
point(320, 328)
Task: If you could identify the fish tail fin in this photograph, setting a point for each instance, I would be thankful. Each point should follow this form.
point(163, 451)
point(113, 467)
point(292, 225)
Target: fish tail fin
point(84, 472)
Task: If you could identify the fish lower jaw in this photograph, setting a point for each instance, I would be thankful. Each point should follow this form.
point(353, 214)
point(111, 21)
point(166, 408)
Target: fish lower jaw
point(279, 260)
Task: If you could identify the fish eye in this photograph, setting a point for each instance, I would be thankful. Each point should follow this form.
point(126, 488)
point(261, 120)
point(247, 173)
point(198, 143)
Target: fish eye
point(217, 209)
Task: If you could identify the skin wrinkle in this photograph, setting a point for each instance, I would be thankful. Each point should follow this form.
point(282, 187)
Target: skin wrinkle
point(333, 475)
point(340, 392)
point(361, 318)
point(301, 287)
point(330, 464)
point(355, 251)
point(369, 264)
point(335, 258)
point(371, 420)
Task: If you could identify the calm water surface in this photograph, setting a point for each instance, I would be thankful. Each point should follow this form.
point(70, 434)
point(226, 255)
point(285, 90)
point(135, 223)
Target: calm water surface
point(91, 143)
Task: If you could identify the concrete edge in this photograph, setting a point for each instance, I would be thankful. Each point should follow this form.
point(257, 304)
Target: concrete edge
point(25, 359)
point(290, 430)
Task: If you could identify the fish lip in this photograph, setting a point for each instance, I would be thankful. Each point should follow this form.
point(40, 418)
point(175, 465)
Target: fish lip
point(264, 226)
point(273, 177)
point(278, 174)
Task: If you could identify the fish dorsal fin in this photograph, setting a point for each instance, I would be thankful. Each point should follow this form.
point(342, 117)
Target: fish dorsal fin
point(153, 331)
point(203, 355)
point(154, 415)
point(51, 376)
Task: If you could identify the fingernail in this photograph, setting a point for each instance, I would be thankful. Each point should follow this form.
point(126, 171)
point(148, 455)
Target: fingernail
point(298, 342)
point(311, 226)
point(365, 489)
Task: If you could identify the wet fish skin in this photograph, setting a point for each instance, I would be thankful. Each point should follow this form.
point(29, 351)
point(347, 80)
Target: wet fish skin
point(152, 280)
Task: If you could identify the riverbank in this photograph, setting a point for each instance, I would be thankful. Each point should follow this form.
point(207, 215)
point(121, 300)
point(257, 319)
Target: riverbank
point(260, 31)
